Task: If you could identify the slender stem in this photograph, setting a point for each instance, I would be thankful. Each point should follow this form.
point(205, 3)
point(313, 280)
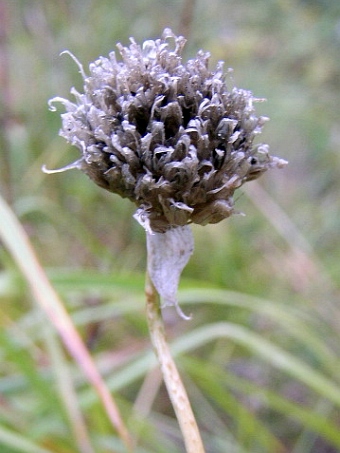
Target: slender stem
point(172, 379)
point(186, 18)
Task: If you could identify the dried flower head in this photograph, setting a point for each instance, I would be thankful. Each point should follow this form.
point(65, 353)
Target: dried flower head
point(169, 136)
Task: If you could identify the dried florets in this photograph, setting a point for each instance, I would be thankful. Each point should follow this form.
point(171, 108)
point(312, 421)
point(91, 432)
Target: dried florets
point(169, 136)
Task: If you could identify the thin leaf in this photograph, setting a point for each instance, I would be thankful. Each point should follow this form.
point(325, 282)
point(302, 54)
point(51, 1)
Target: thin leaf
point(19, 443)
point(18, 244)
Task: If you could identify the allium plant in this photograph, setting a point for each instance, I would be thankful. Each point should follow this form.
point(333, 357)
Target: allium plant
point(172, 138)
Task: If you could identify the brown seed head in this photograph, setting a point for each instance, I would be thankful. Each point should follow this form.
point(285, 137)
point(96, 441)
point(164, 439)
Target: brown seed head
point(169, 136)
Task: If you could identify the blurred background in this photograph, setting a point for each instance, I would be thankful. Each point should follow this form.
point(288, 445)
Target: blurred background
point(273, 272)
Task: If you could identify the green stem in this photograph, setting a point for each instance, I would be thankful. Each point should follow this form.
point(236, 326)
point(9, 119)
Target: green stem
point(172, 379)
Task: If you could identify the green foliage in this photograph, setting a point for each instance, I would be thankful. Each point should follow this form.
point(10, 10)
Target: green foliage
point(261, 355)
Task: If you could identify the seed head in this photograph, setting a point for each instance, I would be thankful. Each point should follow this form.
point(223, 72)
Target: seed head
point(168, 135)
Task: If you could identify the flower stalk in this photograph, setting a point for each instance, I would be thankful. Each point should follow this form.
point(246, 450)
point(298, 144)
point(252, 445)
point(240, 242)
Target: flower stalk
point(172, 379)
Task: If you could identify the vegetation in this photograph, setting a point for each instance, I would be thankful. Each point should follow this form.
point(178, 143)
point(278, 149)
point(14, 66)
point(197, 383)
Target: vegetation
point(260, 357)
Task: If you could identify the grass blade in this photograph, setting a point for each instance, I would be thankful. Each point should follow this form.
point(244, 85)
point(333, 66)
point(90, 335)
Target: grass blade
point(17, 242)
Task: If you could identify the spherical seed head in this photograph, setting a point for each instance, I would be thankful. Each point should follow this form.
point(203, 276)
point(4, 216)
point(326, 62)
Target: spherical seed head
point(169, 136)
